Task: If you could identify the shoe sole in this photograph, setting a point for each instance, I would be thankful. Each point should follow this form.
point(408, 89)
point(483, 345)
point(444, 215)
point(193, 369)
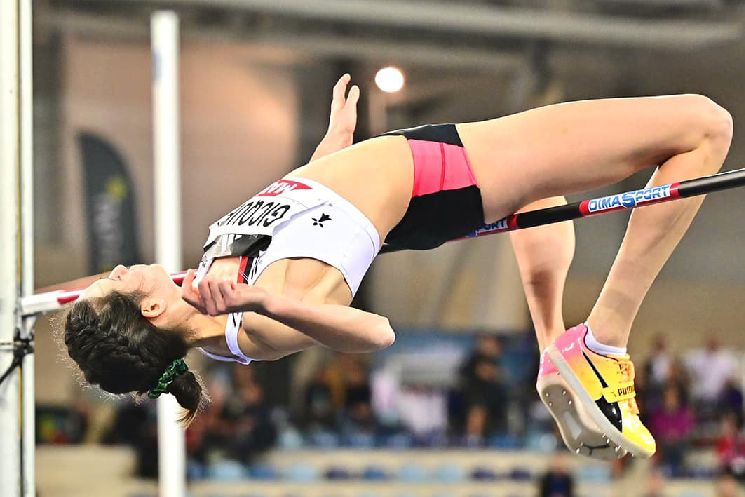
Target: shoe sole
point(575, 413)
point(574, 424)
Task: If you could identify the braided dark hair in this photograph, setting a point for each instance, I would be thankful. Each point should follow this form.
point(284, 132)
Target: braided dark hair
point(120, 350)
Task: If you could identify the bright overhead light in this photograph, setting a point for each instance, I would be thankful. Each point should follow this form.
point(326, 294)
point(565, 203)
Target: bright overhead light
point(390, 79)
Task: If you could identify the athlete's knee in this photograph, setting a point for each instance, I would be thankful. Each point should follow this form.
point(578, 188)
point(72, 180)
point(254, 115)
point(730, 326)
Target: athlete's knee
point(714, 121)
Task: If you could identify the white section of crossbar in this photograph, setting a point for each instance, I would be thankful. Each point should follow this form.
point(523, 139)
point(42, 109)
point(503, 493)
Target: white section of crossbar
point(165, 44)
point(33, 305)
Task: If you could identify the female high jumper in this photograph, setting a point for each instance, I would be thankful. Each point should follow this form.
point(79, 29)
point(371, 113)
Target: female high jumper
point(285, 265)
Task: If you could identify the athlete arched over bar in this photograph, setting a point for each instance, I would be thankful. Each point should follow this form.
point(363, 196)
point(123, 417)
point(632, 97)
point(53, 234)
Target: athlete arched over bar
point(285, 264)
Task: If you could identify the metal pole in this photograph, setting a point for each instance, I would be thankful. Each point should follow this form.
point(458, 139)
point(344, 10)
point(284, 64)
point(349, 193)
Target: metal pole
point(9, 233)
point(28, 427)
point(164, 40)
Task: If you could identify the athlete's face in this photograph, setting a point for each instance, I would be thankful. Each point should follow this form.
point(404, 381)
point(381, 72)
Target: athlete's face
point(147, 280)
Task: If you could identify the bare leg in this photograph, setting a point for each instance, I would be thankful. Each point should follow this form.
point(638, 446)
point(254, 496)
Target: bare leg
point(574, 146)
point(544, 255)
point(650, 238)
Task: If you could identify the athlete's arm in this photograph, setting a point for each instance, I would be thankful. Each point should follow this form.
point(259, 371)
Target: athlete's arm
point(342, 121)
point(270, 318)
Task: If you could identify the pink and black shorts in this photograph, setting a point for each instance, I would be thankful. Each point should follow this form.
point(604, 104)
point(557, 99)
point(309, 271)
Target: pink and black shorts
point(445, 201)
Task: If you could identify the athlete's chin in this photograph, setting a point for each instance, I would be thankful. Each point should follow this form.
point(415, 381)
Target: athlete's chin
point(161, 273)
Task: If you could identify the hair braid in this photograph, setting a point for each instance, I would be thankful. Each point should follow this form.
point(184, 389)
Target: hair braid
point(121, 351)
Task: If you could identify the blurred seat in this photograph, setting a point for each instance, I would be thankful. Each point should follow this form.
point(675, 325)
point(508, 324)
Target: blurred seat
point(412, 473)
point(359, 441)
point(226, 470)
point(396, 441)
point(541, 442)
point(261, 471)
point(301, 472)
point(481, 473)
point(375, 473)
point(594, 473)
point(323, 440)
point(449, 473)
point(338, 473)
point(520, 473)
point(504, 442)
point(195, 470)
point(290, 439)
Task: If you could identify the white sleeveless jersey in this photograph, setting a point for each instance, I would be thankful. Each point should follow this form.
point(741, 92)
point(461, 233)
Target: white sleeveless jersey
point(290, 218)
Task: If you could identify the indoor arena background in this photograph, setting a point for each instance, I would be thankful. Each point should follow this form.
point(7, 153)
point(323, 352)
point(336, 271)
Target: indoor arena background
point(256, 80)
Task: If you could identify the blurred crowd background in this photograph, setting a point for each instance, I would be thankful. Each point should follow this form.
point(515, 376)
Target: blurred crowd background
point(432, 392)
point(450, 409)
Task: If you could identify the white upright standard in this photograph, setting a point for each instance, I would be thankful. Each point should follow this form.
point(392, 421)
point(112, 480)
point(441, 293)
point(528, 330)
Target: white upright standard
point(10, 434)
point(165, 43)
point(26, 233)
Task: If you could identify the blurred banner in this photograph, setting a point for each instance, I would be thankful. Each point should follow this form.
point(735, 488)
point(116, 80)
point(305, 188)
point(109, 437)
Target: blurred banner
point(111, 223)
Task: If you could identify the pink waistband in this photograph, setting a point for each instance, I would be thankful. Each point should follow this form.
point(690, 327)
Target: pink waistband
point(439, 166)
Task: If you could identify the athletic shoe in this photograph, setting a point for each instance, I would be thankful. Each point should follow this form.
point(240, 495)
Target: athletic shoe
point(591, 397)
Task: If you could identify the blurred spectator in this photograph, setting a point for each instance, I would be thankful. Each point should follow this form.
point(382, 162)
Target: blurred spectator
point(710, 369)
point(657, 366)
point(318, 408)
point(679, 378)
point(136, 425)
point(652, 393)
point(245, 418)
point(205, 434)
point(655, 484)
point(358, 413)
point(730, 446)
point(645, 394)
point(731, 399)
point(484, 389)
point(557, 481)
point(235, 425)
point(423, 412)
point(128, 422)
point(672, 424)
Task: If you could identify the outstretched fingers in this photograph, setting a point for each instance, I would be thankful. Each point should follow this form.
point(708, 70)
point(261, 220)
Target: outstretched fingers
point(190, 294)
point(214, 297)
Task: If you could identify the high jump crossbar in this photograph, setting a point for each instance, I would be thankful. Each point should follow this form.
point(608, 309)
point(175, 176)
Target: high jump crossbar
point(628, 200)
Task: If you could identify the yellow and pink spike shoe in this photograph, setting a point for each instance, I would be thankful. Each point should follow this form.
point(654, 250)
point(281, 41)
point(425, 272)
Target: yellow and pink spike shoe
point(591, 398)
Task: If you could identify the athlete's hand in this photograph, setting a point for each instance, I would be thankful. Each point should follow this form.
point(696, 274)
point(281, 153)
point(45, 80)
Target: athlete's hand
point(343, 118)
point(215, 297)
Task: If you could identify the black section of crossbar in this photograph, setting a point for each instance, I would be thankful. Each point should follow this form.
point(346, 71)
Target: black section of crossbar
point(714, 183)
point(549, 215)
point(531, 219)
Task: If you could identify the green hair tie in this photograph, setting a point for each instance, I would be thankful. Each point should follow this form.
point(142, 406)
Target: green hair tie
point(176, 368)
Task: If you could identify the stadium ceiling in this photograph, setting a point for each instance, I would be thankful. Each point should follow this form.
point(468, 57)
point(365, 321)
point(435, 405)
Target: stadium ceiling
point(491, 34)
